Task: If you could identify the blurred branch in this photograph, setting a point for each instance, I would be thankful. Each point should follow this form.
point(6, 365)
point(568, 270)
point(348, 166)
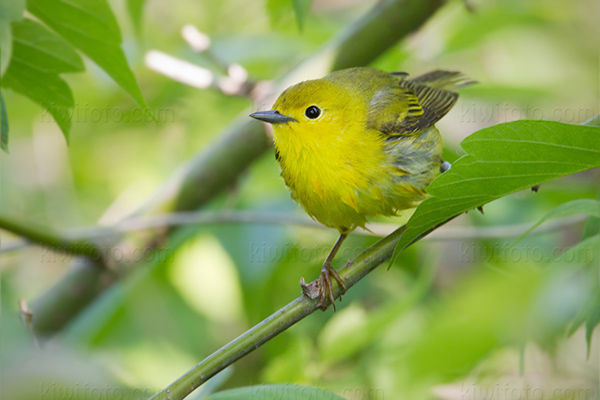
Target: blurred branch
point(216, 167)
point(278, 322)
point(186, 218)
point(72, 294)
point(50, 238)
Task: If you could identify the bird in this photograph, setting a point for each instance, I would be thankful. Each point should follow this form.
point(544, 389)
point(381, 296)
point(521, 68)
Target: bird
point(360, 143)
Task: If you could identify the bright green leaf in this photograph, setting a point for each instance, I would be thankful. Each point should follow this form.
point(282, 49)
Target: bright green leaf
point(38, 58)
point(10, 10)
point(275, 392)
point(580, 206)
point(301, 8)
point(277, 10)
point(90, 26)
point(500, 160)
point(135, 8)
point(3, 125)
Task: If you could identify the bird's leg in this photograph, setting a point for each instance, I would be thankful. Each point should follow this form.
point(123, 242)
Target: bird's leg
point(327, 271)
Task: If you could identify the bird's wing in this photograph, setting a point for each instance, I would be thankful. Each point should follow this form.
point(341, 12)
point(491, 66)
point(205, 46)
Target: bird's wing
point(411, 105)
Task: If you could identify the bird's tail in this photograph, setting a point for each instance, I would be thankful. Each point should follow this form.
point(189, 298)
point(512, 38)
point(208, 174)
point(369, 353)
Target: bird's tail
point(444, 80)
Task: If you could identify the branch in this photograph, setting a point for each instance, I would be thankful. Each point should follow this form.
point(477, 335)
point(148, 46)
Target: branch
point(186, 218)
point(50, 238)
point(214, 169)
point(281, 320)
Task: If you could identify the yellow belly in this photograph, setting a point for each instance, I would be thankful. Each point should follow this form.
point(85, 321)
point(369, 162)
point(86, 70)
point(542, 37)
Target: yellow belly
point(344, 183)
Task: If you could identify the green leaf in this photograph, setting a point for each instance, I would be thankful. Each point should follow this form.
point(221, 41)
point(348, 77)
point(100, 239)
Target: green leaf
point(135, 8)
point(500, 160)
point(280, 12)
point(587, 308)
point(592, 227)
point(38, 58)
point(90, 26)
point(10, 10)
point(275, 392)
point(591, 323)
point(3, 125)
point(301, 8)
point(580, 206)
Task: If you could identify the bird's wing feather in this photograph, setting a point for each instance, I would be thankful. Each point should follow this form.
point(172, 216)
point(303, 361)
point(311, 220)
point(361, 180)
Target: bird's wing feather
point(408, 106)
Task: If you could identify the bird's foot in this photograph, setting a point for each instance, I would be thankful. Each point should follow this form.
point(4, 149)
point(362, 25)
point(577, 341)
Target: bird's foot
point(325, 285)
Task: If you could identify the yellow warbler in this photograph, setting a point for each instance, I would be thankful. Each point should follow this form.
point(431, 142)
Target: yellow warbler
point(360, 143)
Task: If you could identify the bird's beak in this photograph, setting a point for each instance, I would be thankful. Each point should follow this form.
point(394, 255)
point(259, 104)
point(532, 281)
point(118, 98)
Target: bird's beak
point(272, 117)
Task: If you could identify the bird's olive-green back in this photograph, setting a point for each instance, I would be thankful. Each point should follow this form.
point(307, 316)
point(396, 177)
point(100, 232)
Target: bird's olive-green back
point(396, 104)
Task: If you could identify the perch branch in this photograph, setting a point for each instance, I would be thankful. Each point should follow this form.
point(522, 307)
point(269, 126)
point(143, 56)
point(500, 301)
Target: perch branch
point(278, 322)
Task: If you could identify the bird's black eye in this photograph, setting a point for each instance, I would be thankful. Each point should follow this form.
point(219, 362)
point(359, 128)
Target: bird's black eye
point(313, 112)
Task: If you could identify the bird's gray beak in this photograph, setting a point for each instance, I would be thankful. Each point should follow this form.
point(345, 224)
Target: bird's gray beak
point(272, 117)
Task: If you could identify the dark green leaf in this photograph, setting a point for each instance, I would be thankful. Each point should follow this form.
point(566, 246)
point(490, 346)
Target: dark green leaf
point(301, 8)
point(135, 8)
point(38, 58)
point(580, 206)
point(275, 392)
point(90, 26)
point(503, 159)
point(3, 125)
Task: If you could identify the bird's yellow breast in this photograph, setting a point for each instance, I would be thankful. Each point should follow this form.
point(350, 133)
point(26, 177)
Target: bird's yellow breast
point(341, 179)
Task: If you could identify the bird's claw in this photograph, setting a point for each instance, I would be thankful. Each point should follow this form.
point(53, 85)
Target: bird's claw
point(325, 285)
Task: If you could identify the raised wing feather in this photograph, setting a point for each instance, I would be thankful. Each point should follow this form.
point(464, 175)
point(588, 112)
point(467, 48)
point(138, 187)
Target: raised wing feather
point(412, 105)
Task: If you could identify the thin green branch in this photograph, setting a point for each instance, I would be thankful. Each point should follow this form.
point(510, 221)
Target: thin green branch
point(281, 320)
point(50, 238)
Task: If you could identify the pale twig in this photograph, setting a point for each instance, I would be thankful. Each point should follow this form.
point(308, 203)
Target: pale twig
point(232, 81)
point(27, 317)
point(447, 233)
point(50, 238)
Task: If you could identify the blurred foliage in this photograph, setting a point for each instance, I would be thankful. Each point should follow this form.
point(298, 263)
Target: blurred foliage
point(460, 319)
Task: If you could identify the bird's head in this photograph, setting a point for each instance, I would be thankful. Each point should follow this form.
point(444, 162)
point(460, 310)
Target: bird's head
point(310, 111)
